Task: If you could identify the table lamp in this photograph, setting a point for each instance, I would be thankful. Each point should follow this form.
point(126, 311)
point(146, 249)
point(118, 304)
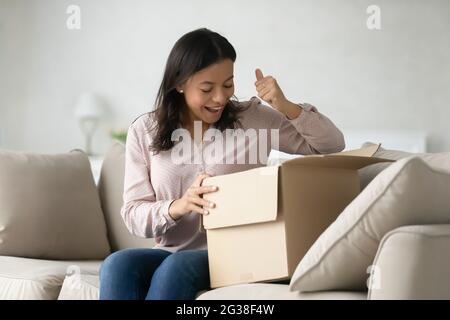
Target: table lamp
point(88, 111)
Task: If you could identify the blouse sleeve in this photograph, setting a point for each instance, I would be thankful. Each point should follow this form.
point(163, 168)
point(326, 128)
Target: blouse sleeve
point(310, 133)
point(143, 215)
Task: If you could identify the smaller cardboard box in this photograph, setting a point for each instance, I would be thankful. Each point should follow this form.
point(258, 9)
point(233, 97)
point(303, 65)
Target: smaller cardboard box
point(267, 218)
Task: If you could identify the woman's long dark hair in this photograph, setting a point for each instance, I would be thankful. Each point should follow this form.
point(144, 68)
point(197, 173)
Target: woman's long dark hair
point(193, 52)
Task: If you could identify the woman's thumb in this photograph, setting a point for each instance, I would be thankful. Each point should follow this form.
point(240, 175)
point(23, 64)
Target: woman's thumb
point(259, 74)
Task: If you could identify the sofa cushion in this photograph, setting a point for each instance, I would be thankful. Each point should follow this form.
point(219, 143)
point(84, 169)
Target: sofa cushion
point(407, 192)
point(49, 207)
point(35, 279)
point(80, 287)
point(272, 291)
point(419, 252)
point(111, 196)
point(435, 160)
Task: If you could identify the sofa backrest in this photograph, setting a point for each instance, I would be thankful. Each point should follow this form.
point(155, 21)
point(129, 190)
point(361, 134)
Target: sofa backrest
point(110, 187)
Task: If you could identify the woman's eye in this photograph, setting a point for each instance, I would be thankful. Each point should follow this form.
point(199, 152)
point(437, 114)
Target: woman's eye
point(207, 91)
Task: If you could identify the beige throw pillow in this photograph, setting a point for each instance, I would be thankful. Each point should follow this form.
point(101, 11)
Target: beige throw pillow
point(49, 207)
point(408, 192)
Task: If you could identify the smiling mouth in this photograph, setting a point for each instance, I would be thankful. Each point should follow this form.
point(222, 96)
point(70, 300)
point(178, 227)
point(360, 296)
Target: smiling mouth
point(213, 110)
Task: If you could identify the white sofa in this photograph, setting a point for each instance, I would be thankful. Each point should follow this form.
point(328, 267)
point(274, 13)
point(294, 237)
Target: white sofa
point(415, 259)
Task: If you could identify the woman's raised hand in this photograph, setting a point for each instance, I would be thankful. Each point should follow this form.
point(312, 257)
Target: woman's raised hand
point(269, 90)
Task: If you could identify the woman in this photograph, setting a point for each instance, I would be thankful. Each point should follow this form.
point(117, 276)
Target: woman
point(163, 197)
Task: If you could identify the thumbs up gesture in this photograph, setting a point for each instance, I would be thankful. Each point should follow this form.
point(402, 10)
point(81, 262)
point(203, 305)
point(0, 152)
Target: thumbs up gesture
point(269, 90)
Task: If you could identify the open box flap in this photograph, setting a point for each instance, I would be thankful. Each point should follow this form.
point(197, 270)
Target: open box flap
point(362, 152)
point(352, 159)
point(246, 197)
point(335, 161)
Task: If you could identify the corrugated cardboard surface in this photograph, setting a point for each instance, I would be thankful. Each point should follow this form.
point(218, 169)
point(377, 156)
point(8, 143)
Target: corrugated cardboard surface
point(311, 199)
point(247, 253)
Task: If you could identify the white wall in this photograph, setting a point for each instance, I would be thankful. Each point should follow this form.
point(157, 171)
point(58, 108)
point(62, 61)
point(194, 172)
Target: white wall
point(320, 52)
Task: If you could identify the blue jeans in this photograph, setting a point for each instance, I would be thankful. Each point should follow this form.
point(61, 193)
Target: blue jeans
point(154, 274)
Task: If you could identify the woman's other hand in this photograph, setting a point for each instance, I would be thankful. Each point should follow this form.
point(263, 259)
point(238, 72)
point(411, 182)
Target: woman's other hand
point(192, 200)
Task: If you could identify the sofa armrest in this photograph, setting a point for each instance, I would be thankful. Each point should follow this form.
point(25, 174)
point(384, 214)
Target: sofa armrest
point(412, 262)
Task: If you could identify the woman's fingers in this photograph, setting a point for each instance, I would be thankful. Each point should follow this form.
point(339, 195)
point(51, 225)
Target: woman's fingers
point(262, 83)
point(265, 86)
point(195, 208)
point(194, 195)
point(201, 202)
point(269, 95)
point(199, 179)
point(264, 91)
point(268, 92)
point(198, 192)
point(205, 189)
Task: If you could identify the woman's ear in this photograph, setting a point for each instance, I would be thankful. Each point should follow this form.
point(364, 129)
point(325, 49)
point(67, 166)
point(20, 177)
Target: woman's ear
point(181, 87)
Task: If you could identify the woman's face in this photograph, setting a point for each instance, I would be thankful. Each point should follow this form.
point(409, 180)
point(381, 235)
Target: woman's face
point(208, 91)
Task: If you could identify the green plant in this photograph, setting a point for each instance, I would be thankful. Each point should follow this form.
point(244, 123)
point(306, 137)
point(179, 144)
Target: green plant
point(120, 135)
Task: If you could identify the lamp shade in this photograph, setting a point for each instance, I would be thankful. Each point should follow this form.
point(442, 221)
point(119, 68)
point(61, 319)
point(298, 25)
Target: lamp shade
point(88, 106)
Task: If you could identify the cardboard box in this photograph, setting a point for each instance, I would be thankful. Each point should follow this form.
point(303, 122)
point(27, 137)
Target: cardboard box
point(267, 218)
